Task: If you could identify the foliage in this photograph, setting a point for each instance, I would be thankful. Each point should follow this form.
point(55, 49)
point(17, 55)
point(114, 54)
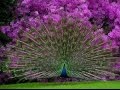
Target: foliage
point(6, 11)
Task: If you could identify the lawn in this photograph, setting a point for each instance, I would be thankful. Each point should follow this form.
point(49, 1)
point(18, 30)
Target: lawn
point(65, 85)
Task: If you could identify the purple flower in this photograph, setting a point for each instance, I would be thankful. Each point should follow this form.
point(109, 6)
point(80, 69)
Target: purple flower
point(5, 29)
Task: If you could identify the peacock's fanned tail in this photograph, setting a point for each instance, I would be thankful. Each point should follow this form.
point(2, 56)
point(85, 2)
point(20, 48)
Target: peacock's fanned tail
point(43, 52)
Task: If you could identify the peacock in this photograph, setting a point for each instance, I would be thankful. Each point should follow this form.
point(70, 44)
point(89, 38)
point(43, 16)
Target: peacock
point(67, 48)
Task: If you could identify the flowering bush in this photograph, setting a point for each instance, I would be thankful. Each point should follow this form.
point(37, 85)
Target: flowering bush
point(105, 14)
point(33, 11)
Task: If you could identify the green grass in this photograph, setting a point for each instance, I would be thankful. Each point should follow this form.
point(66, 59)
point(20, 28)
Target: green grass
point(70, 85)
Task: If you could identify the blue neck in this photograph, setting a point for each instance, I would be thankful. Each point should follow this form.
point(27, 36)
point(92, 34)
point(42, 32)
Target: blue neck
point(64, 72)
